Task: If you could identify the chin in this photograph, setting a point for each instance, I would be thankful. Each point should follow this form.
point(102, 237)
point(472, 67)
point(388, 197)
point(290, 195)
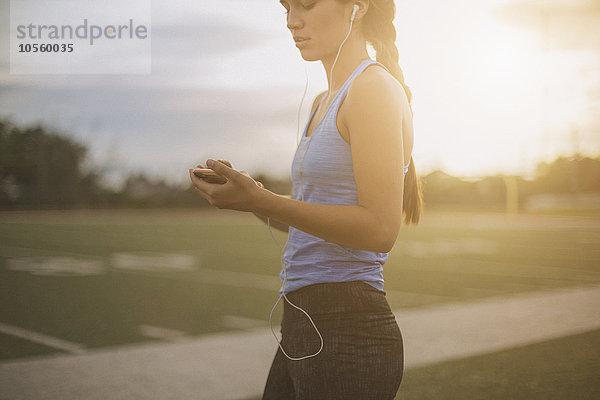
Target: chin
point(309, 56)
point(310, 59)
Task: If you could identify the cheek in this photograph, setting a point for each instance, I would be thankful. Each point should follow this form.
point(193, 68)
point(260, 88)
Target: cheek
point(333, 36)
point(326, 30)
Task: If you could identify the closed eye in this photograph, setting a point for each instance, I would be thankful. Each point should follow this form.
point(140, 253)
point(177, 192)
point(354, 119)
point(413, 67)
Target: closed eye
point(305, 6)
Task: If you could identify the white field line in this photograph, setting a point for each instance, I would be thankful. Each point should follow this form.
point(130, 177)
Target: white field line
point(273, 282)
point(235, 365)
point(237, 322)
point(157, 332)
point(60, 344)
point(202, 275)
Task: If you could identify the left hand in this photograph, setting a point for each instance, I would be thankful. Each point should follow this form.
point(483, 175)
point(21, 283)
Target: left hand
point(240, 192)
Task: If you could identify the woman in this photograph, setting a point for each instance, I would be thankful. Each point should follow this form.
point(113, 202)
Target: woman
point(353, 180)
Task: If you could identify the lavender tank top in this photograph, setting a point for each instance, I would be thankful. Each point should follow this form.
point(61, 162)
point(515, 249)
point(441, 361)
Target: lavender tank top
point(327, 178)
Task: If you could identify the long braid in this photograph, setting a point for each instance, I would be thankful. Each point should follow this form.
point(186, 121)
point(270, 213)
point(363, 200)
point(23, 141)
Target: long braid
point(379, 31)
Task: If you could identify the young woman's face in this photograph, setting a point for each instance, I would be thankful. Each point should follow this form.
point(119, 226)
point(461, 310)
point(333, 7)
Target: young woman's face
point(318, 27)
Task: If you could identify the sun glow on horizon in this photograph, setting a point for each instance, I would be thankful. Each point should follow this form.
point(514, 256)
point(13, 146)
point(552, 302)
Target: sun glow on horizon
point(489, 97)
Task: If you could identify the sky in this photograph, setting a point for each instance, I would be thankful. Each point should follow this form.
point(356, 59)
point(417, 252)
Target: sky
point(498, 86)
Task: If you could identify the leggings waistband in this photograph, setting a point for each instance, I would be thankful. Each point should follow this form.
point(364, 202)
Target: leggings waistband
point(354, 297)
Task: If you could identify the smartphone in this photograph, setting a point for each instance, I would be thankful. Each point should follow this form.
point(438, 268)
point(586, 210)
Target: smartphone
point(209, 175)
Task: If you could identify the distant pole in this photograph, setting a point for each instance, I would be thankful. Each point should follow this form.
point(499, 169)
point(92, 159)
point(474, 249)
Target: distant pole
point(512, 194)
point(575, 160)
point(575, 142)
point(545, 47)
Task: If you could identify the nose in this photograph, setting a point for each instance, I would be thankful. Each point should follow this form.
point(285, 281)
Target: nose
point(293, 21)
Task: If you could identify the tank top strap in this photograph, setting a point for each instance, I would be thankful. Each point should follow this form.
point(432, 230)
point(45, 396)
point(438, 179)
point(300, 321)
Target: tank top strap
point(346, 86)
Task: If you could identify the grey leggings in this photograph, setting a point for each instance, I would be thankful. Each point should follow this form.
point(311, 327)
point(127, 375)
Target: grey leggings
point(362, 356)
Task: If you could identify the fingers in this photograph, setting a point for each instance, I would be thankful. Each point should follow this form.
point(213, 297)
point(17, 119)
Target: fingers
point(200, 184)
point(222, 169)
point(222, 161)
point(237, 194)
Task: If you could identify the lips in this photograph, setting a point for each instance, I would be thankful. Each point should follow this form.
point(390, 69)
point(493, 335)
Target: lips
point(301, 41)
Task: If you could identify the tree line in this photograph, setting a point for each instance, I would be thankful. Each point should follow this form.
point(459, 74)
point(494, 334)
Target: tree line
point(43, 169)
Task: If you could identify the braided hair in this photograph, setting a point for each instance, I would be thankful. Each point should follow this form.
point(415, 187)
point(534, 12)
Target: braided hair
point(379, 31)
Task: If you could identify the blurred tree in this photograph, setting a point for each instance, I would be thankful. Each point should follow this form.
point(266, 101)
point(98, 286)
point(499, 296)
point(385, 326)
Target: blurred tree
point(280, 186)
point(42, 168)
point(569, 175)
point(444, 189)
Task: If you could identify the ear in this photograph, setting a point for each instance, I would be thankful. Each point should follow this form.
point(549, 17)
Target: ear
point(363, 7)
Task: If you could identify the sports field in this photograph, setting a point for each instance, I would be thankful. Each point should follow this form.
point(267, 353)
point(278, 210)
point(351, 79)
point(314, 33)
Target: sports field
point(73, 281)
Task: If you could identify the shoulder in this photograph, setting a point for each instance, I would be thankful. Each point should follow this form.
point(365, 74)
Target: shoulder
point(377, 91)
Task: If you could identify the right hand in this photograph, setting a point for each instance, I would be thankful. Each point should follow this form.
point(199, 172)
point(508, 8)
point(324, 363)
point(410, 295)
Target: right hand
point(259, 184)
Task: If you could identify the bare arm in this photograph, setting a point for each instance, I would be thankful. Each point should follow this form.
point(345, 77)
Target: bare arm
point(273, 222)
point(374, 120)
point(352, 226)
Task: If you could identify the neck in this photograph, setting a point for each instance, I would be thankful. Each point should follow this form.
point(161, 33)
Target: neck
point(353, 52)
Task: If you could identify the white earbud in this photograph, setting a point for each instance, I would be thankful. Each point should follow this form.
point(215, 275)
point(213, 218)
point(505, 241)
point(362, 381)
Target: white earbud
point(354, 11)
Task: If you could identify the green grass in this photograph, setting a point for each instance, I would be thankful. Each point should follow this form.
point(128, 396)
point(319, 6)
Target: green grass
point(448, 258)
point(565, 368)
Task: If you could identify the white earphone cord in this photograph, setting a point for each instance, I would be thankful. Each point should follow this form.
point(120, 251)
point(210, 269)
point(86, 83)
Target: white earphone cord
point(283, 264)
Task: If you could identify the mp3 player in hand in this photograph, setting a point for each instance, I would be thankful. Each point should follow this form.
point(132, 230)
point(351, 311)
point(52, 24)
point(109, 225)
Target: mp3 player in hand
point(209, 175)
